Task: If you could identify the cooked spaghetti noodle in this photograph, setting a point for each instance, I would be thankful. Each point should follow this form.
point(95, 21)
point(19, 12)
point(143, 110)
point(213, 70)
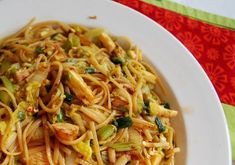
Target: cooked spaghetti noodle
point(76, 95)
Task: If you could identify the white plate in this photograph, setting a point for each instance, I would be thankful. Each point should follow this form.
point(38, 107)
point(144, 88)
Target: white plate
point(201, 127)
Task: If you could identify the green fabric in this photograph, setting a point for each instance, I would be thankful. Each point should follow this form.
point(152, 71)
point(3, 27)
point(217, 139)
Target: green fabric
point(230, 115)
point(194, 13)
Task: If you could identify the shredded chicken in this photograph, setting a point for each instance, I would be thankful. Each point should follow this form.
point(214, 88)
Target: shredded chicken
point(22, 74)
point(119, 101)
point(66, 131)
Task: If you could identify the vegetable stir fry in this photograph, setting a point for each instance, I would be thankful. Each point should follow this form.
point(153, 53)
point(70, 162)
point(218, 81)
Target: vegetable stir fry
point(70, 94)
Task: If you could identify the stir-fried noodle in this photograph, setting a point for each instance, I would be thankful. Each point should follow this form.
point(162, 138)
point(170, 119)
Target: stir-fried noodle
point(76, 95)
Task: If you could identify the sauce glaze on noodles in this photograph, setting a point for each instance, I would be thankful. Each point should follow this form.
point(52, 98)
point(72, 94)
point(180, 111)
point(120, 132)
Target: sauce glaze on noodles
point(76, 95)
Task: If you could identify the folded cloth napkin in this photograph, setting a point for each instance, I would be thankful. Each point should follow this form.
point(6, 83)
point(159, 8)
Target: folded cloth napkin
point(212, 45)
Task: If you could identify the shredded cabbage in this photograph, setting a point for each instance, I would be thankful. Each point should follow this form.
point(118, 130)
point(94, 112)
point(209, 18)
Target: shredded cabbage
point(4, 97)
point(153, 106)
point(122, 146)
point(84, 149)
point(93, 34)
point(32, 91)
point(74, 40)
point(78, 86)
point(106, 131)
point(139, 105)
point(11, 139)
point(3, 126)
point(8, 84)
point(13, 68)
point(21, 108)
point(4, 66)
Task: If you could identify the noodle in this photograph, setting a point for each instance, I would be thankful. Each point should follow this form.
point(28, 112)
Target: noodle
point(72, 95)
point(47, 141)
point(26, 152)
point(56, 152)
point(19, 134)
point(96, 144)
point(112, 155)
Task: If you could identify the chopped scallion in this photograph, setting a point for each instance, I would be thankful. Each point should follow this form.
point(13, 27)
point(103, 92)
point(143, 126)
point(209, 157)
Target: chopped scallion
point(53, 36)
point(39, 50)
point(60, 117)
point(159, 124)
point(36, 115)
point(90, 70)
point(146, 106)
point(166, 105)
point(21, 115)
point(68, 97)
point(124, 122)
point(48, 88)
point(117, 60)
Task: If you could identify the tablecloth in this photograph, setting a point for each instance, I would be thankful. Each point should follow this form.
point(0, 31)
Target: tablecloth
point(210, 38)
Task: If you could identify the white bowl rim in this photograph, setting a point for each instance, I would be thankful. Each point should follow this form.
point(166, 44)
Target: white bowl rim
point(16, 5)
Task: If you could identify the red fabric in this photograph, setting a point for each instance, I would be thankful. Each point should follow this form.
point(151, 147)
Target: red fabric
point(213, 47)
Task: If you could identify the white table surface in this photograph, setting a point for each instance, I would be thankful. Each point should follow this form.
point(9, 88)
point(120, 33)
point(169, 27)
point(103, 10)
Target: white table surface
point(220, 7)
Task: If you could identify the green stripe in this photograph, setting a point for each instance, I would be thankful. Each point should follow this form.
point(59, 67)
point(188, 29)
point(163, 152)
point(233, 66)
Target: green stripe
point(230, 115)
point(194, 13)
